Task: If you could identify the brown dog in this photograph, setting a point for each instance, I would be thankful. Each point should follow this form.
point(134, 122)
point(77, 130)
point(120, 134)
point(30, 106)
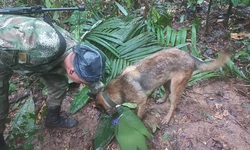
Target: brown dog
point(171, 68)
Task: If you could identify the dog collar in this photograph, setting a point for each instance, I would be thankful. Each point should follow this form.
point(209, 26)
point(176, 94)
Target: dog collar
point(107, 99)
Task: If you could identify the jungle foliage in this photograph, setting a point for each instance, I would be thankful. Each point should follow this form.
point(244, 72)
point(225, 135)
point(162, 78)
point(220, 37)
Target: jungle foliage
point(127, 31)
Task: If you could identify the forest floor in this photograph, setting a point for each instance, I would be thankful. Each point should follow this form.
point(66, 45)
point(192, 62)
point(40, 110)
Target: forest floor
point(212, 114)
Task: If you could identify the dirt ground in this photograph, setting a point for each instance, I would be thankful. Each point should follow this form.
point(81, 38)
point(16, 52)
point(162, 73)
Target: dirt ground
point(212, 114)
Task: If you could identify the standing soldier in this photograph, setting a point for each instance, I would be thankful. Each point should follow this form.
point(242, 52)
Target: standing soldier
point(32, 46)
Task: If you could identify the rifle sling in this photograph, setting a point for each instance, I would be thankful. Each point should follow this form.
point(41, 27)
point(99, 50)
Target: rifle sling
point(63, 43)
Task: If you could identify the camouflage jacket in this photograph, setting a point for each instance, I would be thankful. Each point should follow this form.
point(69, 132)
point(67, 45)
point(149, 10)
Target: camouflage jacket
point(27, 44)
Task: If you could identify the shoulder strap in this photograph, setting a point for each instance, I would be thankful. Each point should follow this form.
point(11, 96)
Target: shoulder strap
point(12, 58)
point(62, 48)
point(63, 43)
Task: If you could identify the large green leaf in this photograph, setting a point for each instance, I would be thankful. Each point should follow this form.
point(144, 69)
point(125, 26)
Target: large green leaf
point(128, 129)
point(245, 2)
point(105, 131)
point(22, 121)
point(131, 132)
point(235, 2)
point(79, 100)
point(135, 122)
point(129, 138)
point(23, 126)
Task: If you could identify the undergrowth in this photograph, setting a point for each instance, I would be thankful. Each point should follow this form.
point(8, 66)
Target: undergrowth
point(157, 24)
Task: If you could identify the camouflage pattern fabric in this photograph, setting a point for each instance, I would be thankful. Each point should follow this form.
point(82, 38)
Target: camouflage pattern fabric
point(5, 75)
point(34, 41)
point(25, 43)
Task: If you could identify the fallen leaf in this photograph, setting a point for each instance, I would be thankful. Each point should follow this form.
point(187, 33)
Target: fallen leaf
point(218, 106)
point(220, 20)
point(225, 113)
point(247, 35)
point(238, 36)
point(218, 115)
point(41, 112)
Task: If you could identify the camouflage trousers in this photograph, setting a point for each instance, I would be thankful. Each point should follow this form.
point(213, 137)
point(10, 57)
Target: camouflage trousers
point(5, 75)
point(57, 85)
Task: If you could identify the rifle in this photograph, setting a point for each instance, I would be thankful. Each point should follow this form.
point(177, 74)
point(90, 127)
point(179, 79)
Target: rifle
point(36, 9)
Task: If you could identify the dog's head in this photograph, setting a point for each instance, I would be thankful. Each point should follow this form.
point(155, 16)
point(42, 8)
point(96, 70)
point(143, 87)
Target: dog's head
point(103, 104)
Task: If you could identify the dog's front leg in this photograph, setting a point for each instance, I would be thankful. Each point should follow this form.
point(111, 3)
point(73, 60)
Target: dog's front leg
point(141, 109)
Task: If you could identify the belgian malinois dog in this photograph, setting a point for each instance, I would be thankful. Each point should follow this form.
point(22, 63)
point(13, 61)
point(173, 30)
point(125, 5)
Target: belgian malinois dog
point(171, 68)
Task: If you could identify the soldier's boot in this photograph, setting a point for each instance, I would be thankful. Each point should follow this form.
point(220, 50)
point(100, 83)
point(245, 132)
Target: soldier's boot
point(53, 119)
point(3, 145)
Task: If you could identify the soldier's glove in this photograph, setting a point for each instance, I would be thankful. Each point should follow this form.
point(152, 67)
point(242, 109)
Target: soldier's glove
point(95, 88)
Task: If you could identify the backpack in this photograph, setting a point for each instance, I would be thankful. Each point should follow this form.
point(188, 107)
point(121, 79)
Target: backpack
point(30, 43)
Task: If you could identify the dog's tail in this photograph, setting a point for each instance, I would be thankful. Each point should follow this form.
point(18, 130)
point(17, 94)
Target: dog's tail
point(214, 64)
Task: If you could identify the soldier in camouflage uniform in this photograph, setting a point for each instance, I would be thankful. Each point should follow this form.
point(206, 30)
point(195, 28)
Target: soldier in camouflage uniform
point(32, 46)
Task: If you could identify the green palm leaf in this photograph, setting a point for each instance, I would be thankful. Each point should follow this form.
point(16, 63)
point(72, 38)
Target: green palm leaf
point(124, 40)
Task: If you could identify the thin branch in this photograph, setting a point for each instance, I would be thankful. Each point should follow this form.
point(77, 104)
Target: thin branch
point(208, 12)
